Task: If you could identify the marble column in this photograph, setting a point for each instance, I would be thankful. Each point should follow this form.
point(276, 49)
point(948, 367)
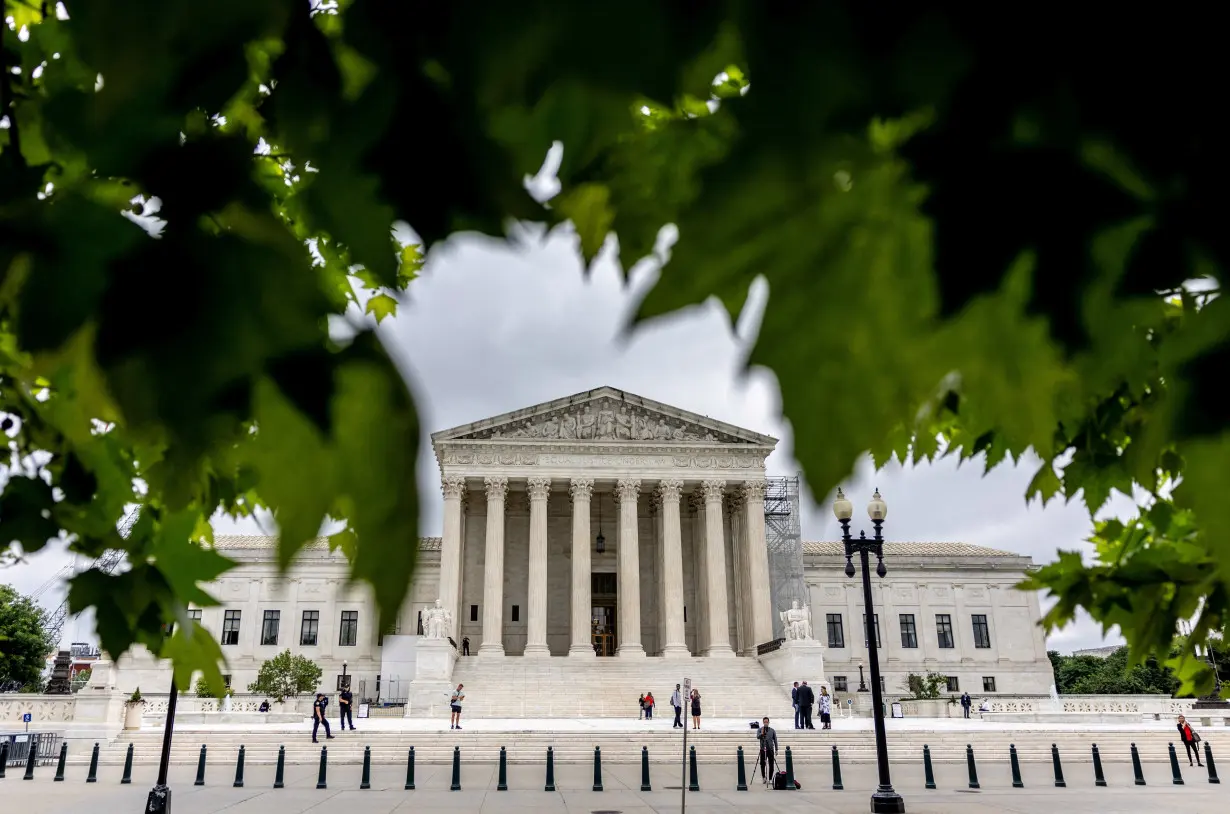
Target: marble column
point(759, 594)
point(582, 609)
point(715, 564)
point(675, 642)
point(450, 552)
point(536, 633)
point(629, 580)
point(493, 573)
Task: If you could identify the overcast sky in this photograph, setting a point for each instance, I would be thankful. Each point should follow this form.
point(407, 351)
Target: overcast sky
point(488, 329)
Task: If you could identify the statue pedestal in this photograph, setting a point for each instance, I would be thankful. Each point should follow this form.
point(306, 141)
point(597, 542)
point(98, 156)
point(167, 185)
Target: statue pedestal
point(797, 660)
point(433, 673)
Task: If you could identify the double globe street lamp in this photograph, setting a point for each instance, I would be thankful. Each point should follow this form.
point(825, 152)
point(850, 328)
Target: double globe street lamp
point(885, 800)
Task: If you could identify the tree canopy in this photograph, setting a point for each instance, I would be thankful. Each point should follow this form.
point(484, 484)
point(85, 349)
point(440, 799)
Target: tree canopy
point(24, 645)
point(286, 676)
point(1112, 675)
point(981, 238)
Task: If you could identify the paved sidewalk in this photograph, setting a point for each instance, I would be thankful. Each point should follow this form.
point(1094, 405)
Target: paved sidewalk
point(621, 792)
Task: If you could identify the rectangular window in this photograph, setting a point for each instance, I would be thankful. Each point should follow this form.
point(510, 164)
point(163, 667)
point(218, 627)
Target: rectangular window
point(348, 634)
point(876, 622)
point(909, 634)
point(837, 636)
point(269, 627)
point(988, 683)
point(839, 684)
point(226, 680)
point(310, 628)
point(516, 613)
point(953, 684)
point(982, 631)
point(883, 685)
point(195, 615)
point(943, 630)
point(474, 613)
point(230, 627)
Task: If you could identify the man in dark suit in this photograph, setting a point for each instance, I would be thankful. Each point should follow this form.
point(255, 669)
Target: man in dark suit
point(794, 699)
point(806, 699)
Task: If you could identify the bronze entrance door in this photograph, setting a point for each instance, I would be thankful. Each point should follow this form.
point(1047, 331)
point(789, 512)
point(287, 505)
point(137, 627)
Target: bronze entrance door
point(603, 614)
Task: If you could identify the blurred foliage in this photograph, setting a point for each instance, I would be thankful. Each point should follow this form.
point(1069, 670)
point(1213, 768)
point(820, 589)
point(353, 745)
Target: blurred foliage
point(980, 238)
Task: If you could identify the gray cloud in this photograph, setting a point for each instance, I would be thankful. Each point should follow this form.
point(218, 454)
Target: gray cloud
point(489, 329)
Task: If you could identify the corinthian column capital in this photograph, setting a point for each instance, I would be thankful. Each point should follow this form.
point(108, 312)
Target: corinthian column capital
point(581, 488)
point(497, 488)
point(539, 488)
point(754, 490)
point(628, 489)
point(670, 489)
point(713, 490)
point(453, 487)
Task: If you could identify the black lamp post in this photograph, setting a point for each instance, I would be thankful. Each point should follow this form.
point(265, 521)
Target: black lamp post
point(862, 685)
point(885, 800)
point(159, 800)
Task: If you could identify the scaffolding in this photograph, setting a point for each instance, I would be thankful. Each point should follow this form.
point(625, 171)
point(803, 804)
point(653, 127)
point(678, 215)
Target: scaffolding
point(784, 538)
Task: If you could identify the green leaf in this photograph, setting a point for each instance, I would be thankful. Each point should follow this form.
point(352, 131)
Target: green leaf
point(1044, 485)
point(26, 507)
point(588, 207)
point(381, 306)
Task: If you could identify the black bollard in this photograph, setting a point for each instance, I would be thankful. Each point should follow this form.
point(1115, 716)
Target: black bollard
point(200, 768)
point(92, 775)
point(279, 775)
point(4, 756)
point(31, 759)
point(597, 769)
point(456, 784)
point(410, 770)
point(60, 766)
point(973, 769)
point(742, 784)
point(1059, 784)
point(127, 778)
point(1136, 770)
point(693, 778)
point(836, 771)
point(789, 770)
point(645, 769)
point(1099, 779)
point(928, 772)
point(502, 783)
point(238, 784)
point(1208, 761)
point(1017, 783)
point(1176, 775)
point(550, 786)
point(365, 782)
point(324, 768)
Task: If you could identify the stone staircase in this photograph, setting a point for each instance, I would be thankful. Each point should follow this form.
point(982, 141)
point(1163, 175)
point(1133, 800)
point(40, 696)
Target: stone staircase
point(541, 688)
point(529, 747)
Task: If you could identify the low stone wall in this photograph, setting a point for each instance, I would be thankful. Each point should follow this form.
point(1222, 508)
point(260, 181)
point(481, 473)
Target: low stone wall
point(42, 708)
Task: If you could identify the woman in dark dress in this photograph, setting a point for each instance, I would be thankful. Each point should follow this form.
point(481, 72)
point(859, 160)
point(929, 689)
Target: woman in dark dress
point(696, 709)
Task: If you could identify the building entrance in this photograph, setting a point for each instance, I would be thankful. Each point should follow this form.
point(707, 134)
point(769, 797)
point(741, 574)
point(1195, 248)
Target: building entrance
point(603, 614)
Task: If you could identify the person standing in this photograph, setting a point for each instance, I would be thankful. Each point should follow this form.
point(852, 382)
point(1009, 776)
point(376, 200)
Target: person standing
point(696, 709)
point(806, 698)
point(826, 709)
point(794, 699)
point(649, 702)
point(1191, 741)
point(319, 717)
point(344, 699)
point(454, 705)
point(640, 702)
point(677, 703)
point(768, 750)
point(465, 646)
point(966, 703)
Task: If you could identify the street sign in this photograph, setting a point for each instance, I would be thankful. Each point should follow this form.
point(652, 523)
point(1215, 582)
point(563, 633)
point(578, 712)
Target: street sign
point(26, 718)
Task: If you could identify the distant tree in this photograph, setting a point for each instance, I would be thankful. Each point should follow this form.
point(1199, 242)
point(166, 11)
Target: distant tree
point(24, 644)
point(1113, 675)
point(925, 686)
point(285, 676)
point(204, 690)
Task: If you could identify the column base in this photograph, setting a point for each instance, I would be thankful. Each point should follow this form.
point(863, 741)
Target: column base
point(721, 651)
point(490, 651)
point(538, 651)
point(582, 651)
point(676, 651)
point(635, 651)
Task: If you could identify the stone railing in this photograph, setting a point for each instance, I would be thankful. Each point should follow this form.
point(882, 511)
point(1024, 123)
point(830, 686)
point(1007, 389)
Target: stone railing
point(156, 704)
point(1131, 705)
point(42, 708)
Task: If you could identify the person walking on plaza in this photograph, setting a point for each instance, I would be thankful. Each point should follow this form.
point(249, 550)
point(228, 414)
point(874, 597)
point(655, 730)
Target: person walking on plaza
point(649, 702)
point(1191, 741)
point(794, 699)
point(677, 703)
point(966, 702)
point(318, 717)
point(768, 751)
point(806, 698)
point(826, 709)
point(696, 709)
point(344, 699)
point(454, 705)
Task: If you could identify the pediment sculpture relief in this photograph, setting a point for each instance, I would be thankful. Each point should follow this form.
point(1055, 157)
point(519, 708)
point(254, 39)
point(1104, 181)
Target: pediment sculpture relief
point(605, 419)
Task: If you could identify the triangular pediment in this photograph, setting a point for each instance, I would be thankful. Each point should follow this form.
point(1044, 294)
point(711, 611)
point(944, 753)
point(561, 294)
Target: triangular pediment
point(604, 415)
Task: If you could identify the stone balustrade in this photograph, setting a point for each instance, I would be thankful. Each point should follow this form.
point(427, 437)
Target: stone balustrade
point(43, 708)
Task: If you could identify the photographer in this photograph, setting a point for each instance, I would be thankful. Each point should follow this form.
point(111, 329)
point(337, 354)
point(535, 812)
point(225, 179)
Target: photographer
point(768, 750)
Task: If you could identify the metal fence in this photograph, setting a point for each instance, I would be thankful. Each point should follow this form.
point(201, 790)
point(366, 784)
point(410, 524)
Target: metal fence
point(45, 744)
